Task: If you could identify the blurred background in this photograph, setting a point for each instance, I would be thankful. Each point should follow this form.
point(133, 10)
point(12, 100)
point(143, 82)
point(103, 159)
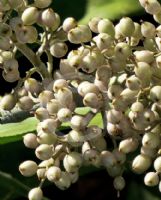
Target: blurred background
point(93, 184)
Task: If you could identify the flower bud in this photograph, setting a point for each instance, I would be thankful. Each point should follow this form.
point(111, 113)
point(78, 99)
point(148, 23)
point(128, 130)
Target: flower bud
point(64, 114)
point(48, 17)
point(44, 152)
point(35, 194)
point(151, 140)
point(28, 168)
point(42, 4)
point(58, 49)
point(93, 24)
point(8, 102)
point(64, 182)
point(151, 179)
point(119, 183)
point(157, 164)
point(141, 163)
point(30, 16)
point(72, 161)
point(41, 114)
point(30, 140)
point(46, 138)
point(53, 173)
point(75, 138)
point(144, 56)
point(148, 30)
point(155, 93)
point(133, 83)
point(126, 26)
point(128, 145)
point(106, 26)
point(108, 159)
point(69, 23)
point(45, 96)
point(25, 103)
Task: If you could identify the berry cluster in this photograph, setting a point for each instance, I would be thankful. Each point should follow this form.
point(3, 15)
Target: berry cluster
point(114, 70)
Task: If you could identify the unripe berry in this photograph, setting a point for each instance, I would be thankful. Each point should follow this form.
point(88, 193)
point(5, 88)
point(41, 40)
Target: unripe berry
point(108, 159)
point(151, 179)
point(42, 4)
point(48, 17)
point(106, 26)
point(15, 4)
point(148, 30)
point(128, 145)
point(32, 85)
point(133, 83)
point(120, 156)
point(140, 72)
point(69, 23)
point(157, 17)
point(30, 16)
point(77, 122)
point(41, 113)
point(30, 140)
point(8, 102)
point(64, 182)
point(93, 24)
point(53, 173)
point(48, 125)
point(35, 194)
point(137, 107)
point(115, 171)
point(126, 27)
point(103, 41)
point(64, 97)
point(114, 116)
point(86, 87)
point(122, 50)
point(44, 152)
point(151, 140)
point(155, 93)
point(45, 96)
point(46, 138)
point(92, 156)
point(141, 163)
point(25, 103)
point(5, 43)
point(148, 151)
point(157, 164)
point(27, 34)
point(80, 34)
point(72, 161)
point(137, 32)
point(114, 91)
point(75, 138)
point(119, 183)
point(58, 49)
point(53, 106)
point(28, 168)
point(5, 30)
point(152, 7)
point(64, 114)
point(158, 61)
point(11, 76)
point(89, 63)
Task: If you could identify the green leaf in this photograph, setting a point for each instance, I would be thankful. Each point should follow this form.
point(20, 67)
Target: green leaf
point(14, 131)
point(86, 9)
point(112, 9)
